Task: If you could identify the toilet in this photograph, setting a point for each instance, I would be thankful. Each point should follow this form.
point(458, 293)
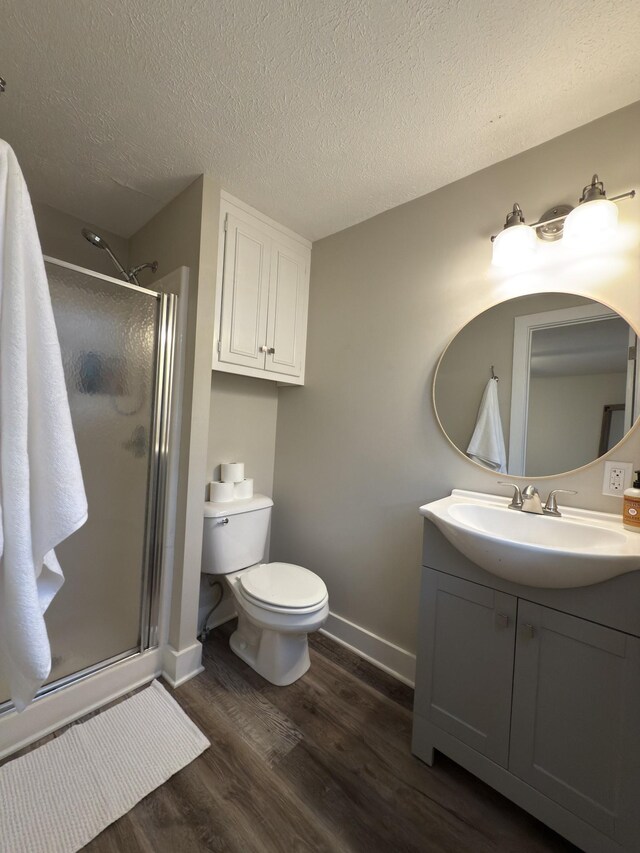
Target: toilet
point(278, 604)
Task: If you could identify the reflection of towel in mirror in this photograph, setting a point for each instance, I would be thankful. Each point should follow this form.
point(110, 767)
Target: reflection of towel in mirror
point(487, 442)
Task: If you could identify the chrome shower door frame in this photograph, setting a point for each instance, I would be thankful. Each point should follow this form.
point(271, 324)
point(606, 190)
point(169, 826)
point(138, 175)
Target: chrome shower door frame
point(156, 491)
point(156, 483)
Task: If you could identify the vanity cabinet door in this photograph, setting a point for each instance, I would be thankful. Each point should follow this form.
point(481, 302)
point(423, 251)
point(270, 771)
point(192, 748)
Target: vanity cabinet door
point(465, 677)
point(575, 731)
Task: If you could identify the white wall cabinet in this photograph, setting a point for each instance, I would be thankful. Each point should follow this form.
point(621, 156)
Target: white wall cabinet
point(262, 296)
point(540, 698)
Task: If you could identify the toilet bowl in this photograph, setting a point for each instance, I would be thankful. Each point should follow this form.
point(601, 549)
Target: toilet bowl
point(278, 604)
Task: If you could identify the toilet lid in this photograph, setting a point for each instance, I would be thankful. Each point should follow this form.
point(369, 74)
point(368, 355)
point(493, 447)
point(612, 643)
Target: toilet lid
point(284, 585)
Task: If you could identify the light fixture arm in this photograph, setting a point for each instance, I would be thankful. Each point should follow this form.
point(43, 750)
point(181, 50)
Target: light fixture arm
point(630, 194)
point(593, 191)
point(585, 197)
point(515, 217)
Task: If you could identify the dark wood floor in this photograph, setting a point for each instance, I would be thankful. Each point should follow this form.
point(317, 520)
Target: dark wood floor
point(322, 765)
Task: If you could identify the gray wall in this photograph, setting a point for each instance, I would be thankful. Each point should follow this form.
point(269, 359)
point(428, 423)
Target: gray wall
point(242, 427)
point(358, 447)
point(568, 406)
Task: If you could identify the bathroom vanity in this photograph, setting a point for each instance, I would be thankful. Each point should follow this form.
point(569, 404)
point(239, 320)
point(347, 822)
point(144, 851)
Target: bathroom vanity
point(534, 690)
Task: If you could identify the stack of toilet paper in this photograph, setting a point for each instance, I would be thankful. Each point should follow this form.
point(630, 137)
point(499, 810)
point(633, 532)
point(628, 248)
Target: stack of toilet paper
point(232, 485)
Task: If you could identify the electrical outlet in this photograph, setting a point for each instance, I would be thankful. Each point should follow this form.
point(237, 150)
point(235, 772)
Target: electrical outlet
point(617, 478)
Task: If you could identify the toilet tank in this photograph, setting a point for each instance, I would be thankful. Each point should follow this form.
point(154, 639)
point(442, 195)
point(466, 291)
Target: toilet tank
point(235, 534)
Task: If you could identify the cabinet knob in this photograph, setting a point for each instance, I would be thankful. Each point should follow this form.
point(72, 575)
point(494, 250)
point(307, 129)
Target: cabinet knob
point(264, 349)
point(271, 350)
point(529, 630)
point(502, 620)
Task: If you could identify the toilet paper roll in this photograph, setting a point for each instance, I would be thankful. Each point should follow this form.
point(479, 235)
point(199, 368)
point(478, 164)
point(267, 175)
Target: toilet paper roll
point(221, 492)
point(232, 472)
point(244, 489)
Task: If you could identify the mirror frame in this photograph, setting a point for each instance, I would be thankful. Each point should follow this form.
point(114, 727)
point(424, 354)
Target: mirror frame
point(529, 477)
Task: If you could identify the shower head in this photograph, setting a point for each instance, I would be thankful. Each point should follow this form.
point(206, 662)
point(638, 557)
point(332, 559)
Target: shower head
point(100, 243)
point(94, 239)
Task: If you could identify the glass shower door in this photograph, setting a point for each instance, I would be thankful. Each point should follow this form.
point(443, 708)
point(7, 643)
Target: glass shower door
point(114, 341)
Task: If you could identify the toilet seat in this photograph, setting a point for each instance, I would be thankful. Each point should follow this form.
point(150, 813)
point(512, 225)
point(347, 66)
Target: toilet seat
point(283, 588)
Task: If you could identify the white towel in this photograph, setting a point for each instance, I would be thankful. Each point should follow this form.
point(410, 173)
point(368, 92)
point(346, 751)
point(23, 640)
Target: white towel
point(487, 442)
point(42, 498)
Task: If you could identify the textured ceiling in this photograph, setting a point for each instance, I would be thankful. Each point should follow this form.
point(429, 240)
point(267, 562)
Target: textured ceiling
point(321, 113)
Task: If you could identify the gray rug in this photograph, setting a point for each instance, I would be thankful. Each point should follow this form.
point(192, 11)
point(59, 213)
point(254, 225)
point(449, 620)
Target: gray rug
point(58, 797)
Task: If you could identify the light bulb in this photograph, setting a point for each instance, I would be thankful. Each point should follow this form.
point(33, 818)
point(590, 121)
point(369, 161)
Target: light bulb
point(591, 223)
point(515, 247)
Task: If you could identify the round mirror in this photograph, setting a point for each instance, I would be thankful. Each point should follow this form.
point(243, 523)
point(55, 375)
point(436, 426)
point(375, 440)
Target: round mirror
point(565, 387)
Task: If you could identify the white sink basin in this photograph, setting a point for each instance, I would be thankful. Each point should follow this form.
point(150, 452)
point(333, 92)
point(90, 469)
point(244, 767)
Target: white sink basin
point(580, 548)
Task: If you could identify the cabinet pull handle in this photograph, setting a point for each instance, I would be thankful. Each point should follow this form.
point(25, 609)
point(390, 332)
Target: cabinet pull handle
point(529, 630)
point(502, 620)
point(271, 350)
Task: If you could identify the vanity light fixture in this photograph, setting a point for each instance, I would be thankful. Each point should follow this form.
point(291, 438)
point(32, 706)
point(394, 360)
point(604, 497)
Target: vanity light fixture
point(515, 245)
point(593, 219)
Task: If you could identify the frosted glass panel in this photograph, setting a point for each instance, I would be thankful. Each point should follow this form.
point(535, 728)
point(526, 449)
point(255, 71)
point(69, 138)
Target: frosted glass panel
point(108, 339)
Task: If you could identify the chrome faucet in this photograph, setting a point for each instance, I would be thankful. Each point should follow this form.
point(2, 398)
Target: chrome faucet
point(528, 500)
point(516, 500)
point(551, 506)
point(531, 501)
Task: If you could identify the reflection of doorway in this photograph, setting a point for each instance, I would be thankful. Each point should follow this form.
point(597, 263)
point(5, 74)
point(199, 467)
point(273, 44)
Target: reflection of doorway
point(566, 363)
point(613, 427)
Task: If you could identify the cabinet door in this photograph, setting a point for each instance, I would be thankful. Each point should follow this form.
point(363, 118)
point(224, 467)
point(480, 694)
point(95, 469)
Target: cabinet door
point(287, 318)
point(465, 686)
point(245, 294)
point(575, 732)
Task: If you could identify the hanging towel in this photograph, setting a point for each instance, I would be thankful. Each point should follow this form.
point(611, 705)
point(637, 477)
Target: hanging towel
point(42, 498)
point(487, 442)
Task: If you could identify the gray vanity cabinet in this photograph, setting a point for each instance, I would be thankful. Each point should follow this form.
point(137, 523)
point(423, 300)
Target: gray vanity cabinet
point(575, 729)
point(542, 704)
point(467, 685)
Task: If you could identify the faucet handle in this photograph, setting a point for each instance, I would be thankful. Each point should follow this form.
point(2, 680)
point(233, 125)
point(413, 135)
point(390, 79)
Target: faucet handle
point(551, 506)
point(516, 501)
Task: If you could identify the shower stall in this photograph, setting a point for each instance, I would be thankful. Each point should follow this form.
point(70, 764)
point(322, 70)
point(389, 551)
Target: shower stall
point(117, 342)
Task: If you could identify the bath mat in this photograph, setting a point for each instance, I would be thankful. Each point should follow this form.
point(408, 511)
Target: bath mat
point(58, 797)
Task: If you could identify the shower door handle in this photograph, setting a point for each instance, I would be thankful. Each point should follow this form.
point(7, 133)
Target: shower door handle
point(138, 443)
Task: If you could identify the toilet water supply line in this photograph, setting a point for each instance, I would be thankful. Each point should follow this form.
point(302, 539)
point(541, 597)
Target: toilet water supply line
point(202, 636)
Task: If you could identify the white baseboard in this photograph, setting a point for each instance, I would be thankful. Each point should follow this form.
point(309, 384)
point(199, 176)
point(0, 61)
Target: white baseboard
point(394, 660)
point(178, 667)
point(52, 711)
